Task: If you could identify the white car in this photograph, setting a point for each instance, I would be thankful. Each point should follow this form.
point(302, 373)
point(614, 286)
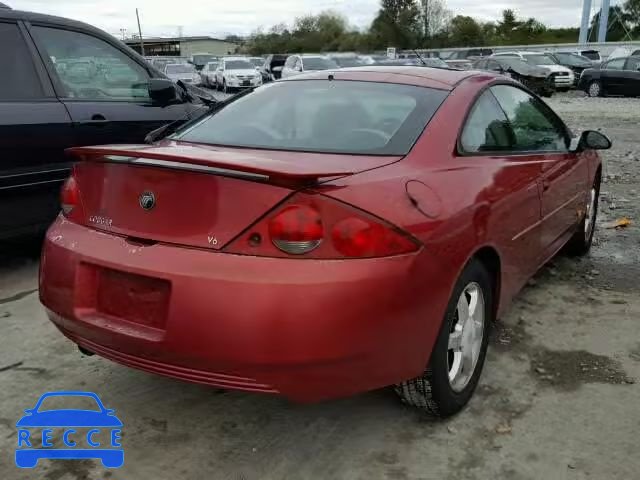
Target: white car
point(298, 64)
point(208, 74)
point(182, 71)
point(236, 73)
point(564, 77)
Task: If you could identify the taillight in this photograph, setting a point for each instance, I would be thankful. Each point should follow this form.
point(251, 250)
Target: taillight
point(297, 229)
point(69, 196)
point(316, 226)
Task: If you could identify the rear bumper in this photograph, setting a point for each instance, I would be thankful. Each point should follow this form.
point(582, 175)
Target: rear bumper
point(307, 329)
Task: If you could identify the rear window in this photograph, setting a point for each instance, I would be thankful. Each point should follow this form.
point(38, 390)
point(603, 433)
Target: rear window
point(323, 116)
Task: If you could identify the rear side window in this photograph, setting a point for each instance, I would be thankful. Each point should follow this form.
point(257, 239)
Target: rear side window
point(18, 80)
point(487, 128)
point(323, 116)
point(633, 64)
point(534, 125)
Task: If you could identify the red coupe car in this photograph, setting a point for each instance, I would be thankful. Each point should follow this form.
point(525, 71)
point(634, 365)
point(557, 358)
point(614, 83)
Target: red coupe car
point(322, 236)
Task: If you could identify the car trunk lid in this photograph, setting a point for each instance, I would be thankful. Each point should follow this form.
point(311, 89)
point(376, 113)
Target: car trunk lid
point(195, 195)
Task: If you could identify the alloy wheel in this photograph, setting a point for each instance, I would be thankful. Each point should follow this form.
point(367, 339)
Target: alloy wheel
point(465, 337)
point(594, 89)
point(590, 219)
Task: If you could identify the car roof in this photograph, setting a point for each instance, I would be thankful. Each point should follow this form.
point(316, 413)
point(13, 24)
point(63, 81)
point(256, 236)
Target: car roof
point(40, 17)
point(407, 75)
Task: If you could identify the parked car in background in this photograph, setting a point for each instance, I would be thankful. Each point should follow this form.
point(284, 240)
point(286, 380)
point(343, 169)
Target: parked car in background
point(184, 72)
point(577, 63)
point(235, 73)
point(199, 60)
point(636, 53)
point(298, 64)
point(272, 68)
point(470, 54)
point(379, 221)
point(348, 60)
point(66, 84)
point(537, 79)
point(619, 52)
point(564, 77)
point(620, 76)
point(415, 62)
point(593, 55)
point(257, 62)
point(161, 62)
point(208, 74)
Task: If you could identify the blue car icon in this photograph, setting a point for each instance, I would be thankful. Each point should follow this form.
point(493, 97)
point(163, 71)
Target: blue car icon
point(68, 419)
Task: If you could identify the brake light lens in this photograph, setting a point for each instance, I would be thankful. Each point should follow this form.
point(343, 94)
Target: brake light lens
point(297, 229)
point(358, 237)
point(316, 226)
point(69, 196)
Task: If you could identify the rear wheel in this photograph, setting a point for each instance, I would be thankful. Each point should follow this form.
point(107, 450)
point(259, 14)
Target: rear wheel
point(595, 89)
point(460, 350)
point(581, 242)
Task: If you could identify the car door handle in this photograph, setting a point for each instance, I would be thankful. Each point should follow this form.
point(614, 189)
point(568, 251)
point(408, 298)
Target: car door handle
point(97, 120)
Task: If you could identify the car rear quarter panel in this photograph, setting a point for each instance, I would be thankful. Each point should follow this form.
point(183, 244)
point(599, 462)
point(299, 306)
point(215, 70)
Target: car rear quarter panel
point(469, 205)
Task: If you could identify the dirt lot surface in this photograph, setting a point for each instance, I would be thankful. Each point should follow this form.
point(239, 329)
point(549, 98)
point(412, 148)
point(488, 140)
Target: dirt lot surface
point(559, 398)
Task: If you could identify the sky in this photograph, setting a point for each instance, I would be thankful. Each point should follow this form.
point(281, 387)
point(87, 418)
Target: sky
point(221, 17)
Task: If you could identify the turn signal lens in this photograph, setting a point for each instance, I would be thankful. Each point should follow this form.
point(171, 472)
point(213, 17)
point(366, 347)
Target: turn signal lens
point(360, 237)
point(297, 229)
point(69, 196)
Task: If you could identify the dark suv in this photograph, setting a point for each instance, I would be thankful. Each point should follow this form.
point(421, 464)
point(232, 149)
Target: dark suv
point(65, 84)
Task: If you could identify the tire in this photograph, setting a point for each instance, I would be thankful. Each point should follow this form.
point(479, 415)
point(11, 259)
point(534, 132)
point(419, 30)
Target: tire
point(594, 89)
point(435, 392)
point(580, 244)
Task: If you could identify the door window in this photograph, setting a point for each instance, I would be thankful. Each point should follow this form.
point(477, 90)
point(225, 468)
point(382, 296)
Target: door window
point(18, 80)
point(617, 64)
point(535, 126)
point(90, 68)
point(298, 65)
point(633, 64)
point(290, 62)
point(487, 128)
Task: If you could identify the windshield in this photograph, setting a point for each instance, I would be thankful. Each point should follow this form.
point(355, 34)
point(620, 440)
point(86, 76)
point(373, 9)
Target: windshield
point(202, 59)
point(256, 62)
point(539, 60)
point(435, 62)
point(319, 63)
point(323, 116)
point(591, 55)
point(573, 60)
point(183, 68)
point(238, 65)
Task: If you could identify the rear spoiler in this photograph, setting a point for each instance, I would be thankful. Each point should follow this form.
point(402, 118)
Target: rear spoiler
point(197, 159)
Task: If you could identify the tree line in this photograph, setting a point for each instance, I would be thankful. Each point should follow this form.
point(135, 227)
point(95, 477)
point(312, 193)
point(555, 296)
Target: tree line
point(408, 24)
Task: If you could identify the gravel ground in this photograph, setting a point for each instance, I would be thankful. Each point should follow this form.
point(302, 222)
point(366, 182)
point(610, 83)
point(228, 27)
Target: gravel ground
point(558, 398)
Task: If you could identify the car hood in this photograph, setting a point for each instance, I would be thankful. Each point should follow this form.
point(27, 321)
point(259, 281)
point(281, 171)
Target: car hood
point(556, 68)
point(69, 418)
point(244, 71)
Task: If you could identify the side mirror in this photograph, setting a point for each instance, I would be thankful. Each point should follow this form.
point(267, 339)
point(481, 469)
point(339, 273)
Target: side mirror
point(592, 140)
point(162, 91)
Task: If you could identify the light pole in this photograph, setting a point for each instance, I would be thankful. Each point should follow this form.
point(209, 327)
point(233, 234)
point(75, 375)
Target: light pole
point(584, 26)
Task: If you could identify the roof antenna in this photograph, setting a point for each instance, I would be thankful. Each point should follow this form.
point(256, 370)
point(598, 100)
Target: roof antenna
point(423, 62)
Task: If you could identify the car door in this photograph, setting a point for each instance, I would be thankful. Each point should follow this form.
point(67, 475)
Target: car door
point(287, 70)
point(35, 128)
point(632, 77)
point(514, 179)
point(612, 76)
point(541, 135)
point(104, 89)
